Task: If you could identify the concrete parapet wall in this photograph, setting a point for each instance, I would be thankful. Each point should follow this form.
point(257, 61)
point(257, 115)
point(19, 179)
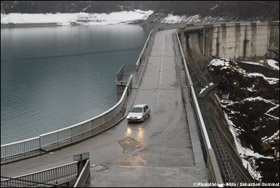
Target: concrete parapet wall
point(273, 36)
point(235, 40)
point(239, 41)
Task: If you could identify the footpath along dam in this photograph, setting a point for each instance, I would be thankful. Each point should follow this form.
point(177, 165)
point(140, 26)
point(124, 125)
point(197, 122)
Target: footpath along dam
point(181, 144)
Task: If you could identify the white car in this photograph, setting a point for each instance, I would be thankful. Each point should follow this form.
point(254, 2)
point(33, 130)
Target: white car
point(138, 113)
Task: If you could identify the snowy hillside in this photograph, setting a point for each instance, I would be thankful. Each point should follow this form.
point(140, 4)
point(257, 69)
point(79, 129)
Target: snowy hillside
point(172, 19)
point(77, 18)
point(252, 113)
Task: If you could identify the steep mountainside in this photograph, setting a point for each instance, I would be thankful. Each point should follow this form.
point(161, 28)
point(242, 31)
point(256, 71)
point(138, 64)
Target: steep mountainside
point(237, 10)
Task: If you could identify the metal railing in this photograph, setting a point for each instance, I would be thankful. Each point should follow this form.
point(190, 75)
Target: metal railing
point(62, 137)
point(22, 183)
point(49, 177)
point(215, 174)
point(141, 56)
point(81, 181)
point(125, 72)
point(16, 148)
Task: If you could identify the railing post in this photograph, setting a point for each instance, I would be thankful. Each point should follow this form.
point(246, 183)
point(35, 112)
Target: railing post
point(81, 158)
point(40, 144)
point(24, 149)
point(56, 139)
point(56, 175)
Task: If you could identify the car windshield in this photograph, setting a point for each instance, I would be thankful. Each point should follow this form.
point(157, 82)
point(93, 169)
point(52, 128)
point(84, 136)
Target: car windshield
point(136, 109)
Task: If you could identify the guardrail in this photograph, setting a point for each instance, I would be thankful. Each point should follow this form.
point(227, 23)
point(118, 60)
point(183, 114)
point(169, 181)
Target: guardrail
point(189, 80)
point(141, 57)
point(45, 178)
point(215, 174)
point(22, 183)
point(66, 136)
point(81, 181)
point(124, 73)
point(29, 147)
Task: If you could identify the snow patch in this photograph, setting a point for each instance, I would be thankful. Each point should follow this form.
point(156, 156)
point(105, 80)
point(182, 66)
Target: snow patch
point(252, 63)
point(81, 18)
point(245, 153)
point(226, 103)
point(214, 7)
point(271, 109)
point(225, 65)
point(269, 80)
point(258, 98)
point(219, 62)
point(275, 136)
point(171, 19)
point(251, 89)
point(273, 64)
point(201, 91)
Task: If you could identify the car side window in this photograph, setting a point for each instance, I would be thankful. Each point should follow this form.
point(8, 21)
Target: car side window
point(145, 108)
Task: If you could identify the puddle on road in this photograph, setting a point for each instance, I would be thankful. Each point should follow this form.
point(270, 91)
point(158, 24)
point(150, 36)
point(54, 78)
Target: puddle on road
point(129, 144)
point(99, 168)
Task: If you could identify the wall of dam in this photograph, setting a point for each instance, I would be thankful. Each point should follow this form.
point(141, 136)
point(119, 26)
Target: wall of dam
point(233, 40)
point(203, 42)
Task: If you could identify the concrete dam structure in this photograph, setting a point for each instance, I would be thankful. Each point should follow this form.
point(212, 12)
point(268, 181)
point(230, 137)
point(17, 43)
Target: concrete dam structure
point(241, 41)
point(233, 40)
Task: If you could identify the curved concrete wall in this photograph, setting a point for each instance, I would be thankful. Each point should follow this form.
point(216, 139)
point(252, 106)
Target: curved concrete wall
point(234, 40)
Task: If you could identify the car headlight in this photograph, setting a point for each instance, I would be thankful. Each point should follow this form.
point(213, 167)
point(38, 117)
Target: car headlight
point(127, 117)
point(139, 117)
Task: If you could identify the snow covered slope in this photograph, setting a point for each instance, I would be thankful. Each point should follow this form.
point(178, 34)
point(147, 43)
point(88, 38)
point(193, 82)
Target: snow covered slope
point(79, 18)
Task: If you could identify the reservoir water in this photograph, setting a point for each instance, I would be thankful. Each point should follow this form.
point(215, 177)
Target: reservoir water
point(54, 77)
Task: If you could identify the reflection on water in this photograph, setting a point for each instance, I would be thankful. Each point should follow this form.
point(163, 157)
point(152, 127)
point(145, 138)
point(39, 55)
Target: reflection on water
point(54, 77)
